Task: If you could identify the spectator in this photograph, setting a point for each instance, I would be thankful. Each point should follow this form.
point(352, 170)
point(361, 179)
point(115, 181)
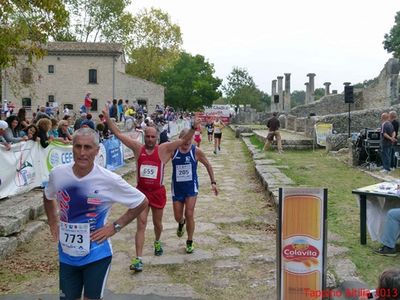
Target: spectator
point(31, 132)
point(41, 114)
point(3, 127)
point(113, 111)
point(273, 125)
point(389, 282)
point(395, 123)
point(69, 120)
point(88, 102)
point(23, 121)
point(89, 122)
point(44, 126)
point(63, 132)
point(387, 140)
point(79, 120)
point(120, 109)
point(13, 134)
point(54, 129)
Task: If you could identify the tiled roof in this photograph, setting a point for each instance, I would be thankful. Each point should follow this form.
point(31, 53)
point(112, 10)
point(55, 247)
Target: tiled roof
point(78, 48)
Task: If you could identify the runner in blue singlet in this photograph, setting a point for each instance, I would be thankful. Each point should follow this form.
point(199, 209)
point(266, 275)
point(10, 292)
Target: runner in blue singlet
point(185, 186)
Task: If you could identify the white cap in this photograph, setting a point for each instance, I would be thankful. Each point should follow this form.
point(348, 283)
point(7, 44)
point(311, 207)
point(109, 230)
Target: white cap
point(3, 124)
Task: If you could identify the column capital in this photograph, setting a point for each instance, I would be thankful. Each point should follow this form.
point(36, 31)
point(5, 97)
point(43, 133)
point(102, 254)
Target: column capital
point(287, 74)
point(346, 83)
point(327, 83)
point(311, 74)
point(279, 77)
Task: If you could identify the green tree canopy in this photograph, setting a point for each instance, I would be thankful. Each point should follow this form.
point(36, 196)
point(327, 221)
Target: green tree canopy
point(190, 83)
point(391, 42)
point(97, 21)
point(26, 25)
point(297, 98)
point(155, 44)
point(236, 80)
point(241, 89)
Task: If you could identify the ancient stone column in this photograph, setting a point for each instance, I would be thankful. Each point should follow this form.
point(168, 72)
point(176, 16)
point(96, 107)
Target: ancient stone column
point(327, 86)
point(311, 85)
point(307, 99)
point(280, 93)
point(274, 106)
point(287, 93)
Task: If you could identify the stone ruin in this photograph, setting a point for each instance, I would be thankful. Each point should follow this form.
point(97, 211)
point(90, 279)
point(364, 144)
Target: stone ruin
point(369, 102)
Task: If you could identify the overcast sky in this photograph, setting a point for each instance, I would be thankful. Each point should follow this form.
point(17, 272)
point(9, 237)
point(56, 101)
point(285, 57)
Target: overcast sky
point(338, 40)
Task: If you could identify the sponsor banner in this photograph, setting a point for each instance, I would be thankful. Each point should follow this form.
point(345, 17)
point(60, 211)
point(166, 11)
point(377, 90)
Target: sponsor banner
point(205, 117)
point(220, 110)
point(321, 132)
point(301, 242)
point(19, 168)
point(174, 128)
point(27, 164)
point(114, 153)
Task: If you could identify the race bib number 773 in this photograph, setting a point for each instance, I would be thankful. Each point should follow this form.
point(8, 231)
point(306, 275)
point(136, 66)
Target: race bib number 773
point(75, 238)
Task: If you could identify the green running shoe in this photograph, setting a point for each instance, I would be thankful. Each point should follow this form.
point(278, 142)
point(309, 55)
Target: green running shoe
point(181, 229)
point(189, 247)
point(158, 250)
point(136, 265)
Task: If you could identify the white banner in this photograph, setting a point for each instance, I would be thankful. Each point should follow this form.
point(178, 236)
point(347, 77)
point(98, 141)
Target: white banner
point(321, 132)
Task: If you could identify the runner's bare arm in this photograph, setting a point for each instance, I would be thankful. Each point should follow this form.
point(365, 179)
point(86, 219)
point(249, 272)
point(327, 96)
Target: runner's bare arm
point(165, 150)
point(126, 140)
point(200, 156)
point(50, 207)
point(101, 234)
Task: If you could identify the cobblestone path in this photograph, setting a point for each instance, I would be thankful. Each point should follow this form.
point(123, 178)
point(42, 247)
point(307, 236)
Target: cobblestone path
point(234, 239)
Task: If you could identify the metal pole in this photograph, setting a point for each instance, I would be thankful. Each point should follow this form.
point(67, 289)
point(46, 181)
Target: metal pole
point(349, 119)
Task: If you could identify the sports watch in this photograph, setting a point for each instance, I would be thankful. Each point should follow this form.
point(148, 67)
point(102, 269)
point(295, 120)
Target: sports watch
point(117, 227)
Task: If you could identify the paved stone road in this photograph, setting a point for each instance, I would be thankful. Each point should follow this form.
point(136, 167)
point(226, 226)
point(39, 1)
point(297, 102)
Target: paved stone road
point(234, 238)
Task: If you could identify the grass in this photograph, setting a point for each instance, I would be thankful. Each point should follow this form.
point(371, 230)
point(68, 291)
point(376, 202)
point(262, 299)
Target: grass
point(318, 169)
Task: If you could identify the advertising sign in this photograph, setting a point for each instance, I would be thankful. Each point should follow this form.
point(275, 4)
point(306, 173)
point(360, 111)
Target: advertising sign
point(321, 132)
point(301, 243)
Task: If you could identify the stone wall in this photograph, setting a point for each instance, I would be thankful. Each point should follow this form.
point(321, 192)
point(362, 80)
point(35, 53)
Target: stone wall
point(384, 90)
point(327, 105)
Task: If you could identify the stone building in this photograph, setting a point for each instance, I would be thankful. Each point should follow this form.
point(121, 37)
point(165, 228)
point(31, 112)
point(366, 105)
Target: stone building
point(70, 70)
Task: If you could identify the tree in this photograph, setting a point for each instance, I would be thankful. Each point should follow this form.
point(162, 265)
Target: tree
point(297, 98)
point(26, 26)
point(237, 79)
point(251, 95)
point(241, 89)
point(97, 21)
point(391, 42)
point(190, 84)
point(155, 44)
point(319, 93)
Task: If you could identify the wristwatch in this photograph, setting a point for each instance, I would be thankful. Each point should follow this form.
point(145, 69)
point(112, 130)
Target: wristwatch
point(117, 227)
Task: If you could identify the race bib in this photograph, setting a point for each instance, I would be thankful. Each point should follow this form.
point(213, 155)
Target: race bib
point(184, 173)
point(147, 171)
point(75, 238)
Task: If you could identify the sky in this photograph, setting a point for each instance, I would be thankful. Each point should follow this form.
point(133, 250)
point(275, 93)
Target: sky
point(340, 41)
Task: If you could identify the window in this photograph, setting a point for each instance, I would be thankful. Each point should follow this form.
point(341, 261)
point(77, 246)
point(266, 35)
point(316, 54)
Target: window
point(51, 98)
point(26, 103)
point(92, 76)
point(69, 106)
point(94, 105)
point(51, 69)
point(26, 76)
point(142, 102)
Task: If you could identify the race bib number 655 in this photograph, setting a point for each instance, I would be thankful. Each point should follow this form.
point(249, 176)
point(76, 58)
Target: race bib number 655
point(147, 171)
